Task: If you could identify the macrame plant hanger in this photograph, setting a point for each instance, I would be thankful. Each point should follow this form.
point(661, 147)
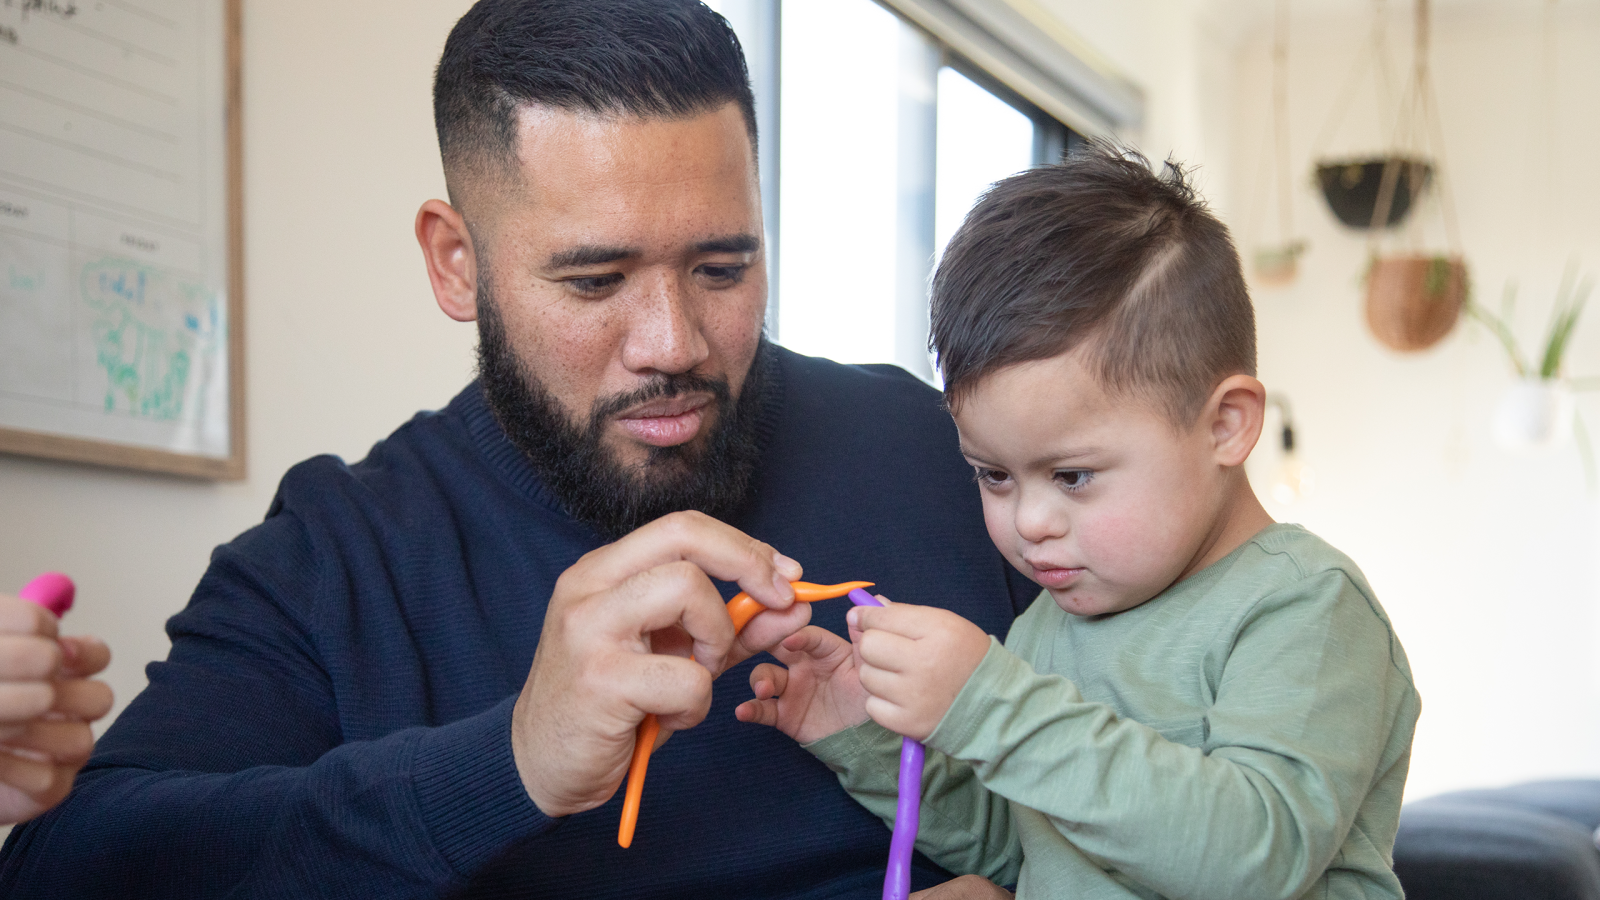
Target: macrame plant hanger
point(1413, 298)
point(1277, 264)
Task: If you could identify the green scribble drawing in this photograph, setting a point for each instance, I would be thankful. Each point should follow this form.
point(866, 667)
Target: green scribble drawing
point(149, 329)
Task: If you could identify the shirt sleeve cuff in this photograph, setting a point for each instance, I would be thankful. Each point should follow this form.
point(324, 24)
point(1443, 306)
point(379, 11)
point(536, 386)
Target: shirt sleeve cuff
point(998, 676)
point(855, 746)
point(469, 793)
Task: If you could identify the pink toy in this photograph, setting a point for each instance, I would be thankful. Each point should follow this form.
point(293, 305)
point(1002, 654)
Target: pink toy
point(52, 590)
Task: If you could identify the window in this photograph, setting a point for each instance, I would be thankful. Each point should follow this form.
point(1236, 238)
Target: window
point(884, 139)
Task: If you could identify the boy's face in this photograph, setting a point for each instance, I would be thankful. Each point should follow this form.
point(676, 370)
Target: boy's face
point(1096, 497)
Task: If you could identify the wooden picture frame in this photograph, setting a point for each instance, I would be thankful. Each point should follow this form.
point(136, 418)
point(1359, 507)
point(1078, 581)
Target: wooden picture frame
point(141, 427)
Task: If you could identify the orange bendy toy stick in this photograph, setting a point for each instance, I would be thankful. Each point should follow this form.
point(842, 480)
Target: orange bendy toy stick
point(741, 609)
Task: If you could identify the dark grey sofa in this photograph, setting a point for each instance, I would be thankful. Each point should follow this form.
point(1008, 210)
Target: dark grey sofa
point(1529, 842)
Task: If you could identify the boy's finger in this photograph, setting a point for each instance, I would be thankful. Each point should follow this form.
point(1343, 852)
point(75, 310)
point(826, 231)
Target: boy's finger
point(758, 712)
point(768, 681)
point(817, 643)
point(886, 650)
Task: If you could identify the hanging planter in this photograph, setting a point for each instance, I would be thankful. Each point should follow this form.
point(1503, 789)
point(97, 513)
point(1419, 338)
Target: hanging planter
point(1377, 192)
point(1414, 301)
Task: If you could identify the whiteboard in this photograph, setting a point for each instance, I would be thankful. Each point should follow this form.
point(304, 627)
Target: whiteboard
point(120, 314)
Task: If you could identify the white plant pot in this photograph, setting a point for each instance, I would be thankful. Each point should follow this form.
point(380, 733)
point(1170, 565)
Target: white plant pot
point(1534, 414)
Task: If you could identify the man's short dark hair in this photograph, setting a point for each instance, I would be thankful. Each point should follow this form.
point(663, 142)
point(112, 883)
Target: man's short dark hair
point(649, 58)
point(1096, 252)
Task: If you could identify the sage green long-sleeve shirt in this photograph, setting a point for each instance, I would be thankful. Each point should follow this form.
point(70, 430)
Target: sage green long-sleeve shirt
point(1246, 733)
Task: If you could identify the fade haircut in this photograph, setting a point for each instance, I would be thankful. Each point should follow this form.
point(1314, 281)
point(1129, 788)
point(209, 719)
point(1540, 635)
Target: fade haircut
point(648, 58)
point(1096, 252)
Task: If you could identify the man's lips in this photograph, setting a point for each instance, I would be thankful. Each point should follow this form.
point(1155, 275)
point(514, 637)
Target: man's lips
point(666, 422)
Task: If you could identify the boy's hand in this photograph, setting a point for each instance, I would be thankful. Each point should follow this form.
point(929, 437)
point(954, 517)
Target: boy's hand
point(914, 661)
point(817, 695)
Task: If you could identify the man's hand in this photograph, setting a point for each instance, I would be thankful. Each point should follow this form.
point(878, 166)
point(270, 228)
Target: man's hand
point(46, 704)
point(637, 627)
point(818, 694)
point(914, 661)
point(967, 887)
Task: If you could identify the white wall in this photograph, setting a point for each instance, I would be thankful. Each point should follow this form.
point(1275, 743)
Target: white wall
point(344, 340)
point(1489, 563)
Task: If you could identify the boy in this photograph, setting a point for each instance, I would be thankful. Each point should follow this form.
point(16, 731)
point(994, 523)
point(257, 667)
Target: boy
point(1202, 703)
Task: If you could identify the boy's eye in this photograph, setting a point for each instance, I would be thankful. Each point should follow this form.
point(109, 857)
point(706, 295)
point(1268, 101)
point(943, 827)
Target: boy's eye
point(1074, 479)
point(989, 477)
point(729, 274)
point(591, 285)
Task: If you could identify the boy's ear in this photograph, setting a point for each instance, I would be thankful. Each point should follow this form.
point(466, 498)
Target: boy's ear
point(1236, 411)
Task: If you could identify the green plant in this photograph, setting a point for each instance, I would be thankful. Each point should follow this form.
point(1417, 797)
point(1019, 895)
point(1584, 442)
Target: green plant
point(1570, 299)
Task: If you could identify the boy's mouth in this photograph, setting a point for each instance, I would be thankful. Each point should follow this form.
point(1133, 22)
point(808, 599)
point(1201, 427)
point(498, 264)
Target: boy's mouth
point(1056, 577)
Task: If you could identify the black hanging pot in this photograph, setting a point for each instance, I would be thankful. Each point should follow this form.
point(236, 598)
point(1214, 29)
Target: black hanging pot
point(1355, 188)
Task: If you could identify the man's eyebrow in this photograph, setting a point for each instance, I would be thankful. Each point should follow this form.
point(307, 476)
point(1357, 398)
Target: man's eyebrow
point(733, 243)
point(578, 257)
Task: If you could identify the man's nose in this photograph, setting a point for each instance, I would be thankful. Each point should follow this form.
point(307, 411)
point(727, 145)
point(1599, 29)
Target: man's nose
point(664, 334)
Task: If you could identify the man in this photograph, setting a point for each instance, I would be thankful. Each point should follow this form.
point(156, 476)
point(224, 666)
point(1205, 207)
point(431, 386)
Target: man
point(422, 674)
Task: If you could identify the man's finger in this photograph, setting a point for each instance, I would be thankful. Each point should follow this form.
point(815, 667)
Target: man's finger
point(65, 742)
point(676, 690)
point(28, 658)
point(83, 656)
point(719, 549)
point(767, 629)
point(82, 698)
point(31, 775)
point(21, 701)
point(674, 593)
point(19, 616)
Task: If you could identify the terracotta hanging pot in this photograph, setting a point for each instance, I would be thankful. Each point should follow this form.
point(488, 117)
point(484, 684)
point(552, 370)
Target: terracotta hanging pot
point(1414, 301)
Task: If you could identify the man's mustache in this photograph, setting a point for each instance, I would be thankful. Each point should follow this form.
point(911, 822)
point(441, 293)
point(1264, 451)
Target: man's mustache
point(657, 388)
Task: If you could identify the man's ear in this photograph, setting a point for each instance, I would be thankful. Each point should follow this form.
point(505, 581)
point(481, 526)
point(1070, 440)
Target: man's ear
point(1236, 410)
point(451, 259)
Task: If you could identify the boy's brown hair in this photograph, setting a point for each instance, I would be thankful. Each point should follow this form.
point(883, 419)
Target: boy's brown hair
point(1096, 252)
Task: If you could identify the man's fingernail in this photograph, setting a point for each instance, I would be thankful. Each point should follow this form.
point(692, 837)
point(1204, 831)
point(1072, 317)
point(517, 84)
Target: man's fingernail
point(853, 617)
point(789, 568)
point(785, 589)
point(69, 651)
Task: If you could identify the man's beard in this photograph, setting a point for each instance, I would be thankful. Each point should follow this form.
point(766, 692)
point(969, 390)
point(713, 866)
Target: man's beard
point(595, 487)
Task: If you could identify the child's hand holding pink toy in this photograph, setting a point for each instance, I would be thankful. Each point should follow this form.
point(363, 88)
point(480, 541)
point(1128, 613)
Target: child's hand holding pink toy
point(47, 699)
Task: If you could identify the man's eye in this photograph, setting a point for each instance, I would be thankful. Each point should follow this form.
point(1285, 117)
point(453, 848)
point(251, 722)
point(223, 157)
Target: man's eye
point(595, 284)
point(724, 274)
point(1074, 479)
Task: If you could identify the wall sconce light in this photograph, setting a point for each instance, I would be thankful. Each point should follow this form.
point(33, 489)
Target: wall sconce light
point(1293, 479)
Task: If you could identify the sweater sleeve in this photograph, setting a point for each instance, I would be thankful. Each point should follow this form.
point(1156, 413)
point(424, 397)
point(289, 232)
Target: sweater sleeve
point(229, 775)
point(1305, 706)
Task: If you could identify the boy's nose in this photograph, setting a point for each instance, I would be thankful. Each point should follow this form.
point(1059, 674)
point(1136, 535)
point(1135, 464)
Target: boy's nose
point(1038, 520)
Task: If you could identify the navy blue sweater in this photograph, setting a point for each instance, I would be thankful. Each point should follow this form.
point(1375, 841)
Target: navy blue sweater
point(334, 717)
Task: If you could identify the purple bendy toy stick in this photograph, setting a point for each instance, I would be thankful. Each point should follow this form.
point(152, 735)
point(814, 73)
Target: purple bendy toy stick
point(908, 805)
